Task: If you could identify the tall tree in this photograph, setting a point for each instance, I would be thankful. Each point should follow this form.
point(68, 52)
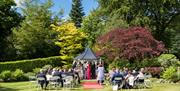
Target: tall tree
point(35, 38)
point(9, 18)
point(77, 13)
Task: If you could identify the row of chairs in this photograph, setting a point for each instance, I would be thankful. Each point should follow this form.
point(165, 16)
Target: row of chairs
point(68, 82)
point(139, 83)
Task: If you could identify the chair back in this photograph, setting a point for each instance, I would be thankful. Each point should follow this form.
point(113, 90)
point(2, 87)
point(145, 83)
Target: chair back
point(41, 79)
point(68, 78)
point(118, 79)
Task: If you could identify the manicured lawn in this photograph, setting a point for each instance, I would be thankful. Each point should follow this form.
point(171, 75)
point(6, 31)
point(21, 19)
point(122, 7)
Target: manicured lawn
point(25, 86)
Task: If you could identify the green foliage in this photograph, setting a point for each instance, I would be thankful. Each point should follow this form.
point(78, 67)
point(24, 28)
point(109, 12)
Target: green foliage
point(35, 38)
point(18, 75)
point(70, 40)
point(92, 25)
point(9, 18)
point(115, 21)
point(156, 14)
point(176, 77)
point(6, 75)
point(149, 62)
point(175, 48)
point(167, 60)
point(77, 13)
point(29, 65)
point(36, 70)
point(46, 67)
point(169, 72)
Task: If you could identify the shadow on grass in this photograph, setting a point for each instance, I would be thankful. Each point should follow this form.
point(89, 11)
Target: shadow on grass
point(7, 89)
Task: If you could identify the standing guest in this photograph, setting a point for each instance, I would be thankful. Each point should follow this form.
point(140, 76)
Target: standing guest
point(93, 70)
point(85, 70)
point(42, 81)
point(74, 64)
point(88, 71)
point(100, 74)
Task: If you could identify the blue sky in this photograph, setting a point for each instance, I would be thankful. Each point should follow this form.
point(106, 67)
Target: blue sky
point(88, 5)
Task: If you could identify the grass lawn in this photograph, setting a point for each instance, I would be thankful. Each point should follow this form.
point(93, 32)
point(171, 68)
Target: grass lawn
point(25, 86)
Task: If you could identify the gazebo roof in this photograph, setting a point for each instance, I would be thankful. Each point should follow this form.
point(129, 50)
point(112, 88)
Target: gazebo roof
point(88, 54)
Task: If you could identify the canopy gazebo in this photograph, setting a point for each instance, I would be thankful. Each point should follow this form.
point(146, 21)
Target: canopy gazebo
point(87, 55)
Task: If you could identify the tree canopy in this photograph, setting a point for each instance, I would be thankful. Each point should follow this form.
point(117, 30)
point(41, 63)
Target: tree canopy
point(9, 18)
point(35, 38)
point(156, 14)
point(70, 40)
point(132, 43)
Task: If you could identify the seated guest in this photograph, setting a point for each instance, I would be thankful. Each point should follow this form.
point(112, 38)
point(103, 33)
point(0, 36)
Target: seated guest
point(111, 73)
point(117, 75)
point(129, 80)
point(57, 73)
point(140, 77)
point(125, 72)
point(44, 81)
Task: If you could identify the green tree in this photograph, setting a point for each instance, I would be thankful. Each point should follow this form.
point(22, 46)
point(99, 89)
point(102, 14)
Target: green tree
point(175, 48)
point(77, 13)
point(92, 25)
point(70, 39)
point(35, 37)
point(9, 18)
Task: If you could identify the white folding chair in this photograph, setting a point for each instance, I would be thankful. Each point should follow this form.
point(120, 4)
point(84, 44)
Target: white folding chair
point(40, 79)
point(68, 81)
point(54, 82)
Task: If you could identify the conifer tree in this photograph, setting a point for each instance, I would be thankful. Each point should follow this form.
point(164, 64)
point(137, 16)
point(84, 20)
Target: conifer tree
point(77, 13)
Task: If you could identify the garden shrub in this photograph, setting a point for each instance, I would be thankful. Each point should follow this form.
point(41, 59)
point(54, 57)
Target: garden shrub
point(28, 65)
point(6, 75)
point(154, 71)
point(169, 72)
point(176, 77)
point(151, 62)
point(36, 70)
point(167, 60)
point(18, 75)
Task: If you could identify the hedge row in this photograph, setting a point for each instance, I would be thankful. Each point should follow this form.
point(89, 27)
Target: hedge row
point(28, 65)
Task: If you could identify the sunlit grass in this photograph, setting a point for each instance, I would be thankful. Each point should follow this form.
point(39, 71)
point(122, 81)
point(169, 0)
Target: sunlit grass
point(25, 86)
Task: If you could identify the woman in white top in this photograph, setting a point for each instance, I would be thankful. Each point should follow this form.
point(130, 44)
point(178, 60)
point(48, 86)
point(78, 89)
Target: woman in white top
point(100, 74)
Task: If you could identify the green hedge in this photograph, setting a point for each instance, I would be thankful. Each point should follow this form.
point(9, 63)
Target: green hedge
point(28, 65)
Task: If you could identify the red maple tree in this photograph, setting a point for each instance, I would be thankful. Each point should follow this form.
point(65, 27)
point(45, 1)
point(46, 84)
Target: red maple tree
point(132, 43)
